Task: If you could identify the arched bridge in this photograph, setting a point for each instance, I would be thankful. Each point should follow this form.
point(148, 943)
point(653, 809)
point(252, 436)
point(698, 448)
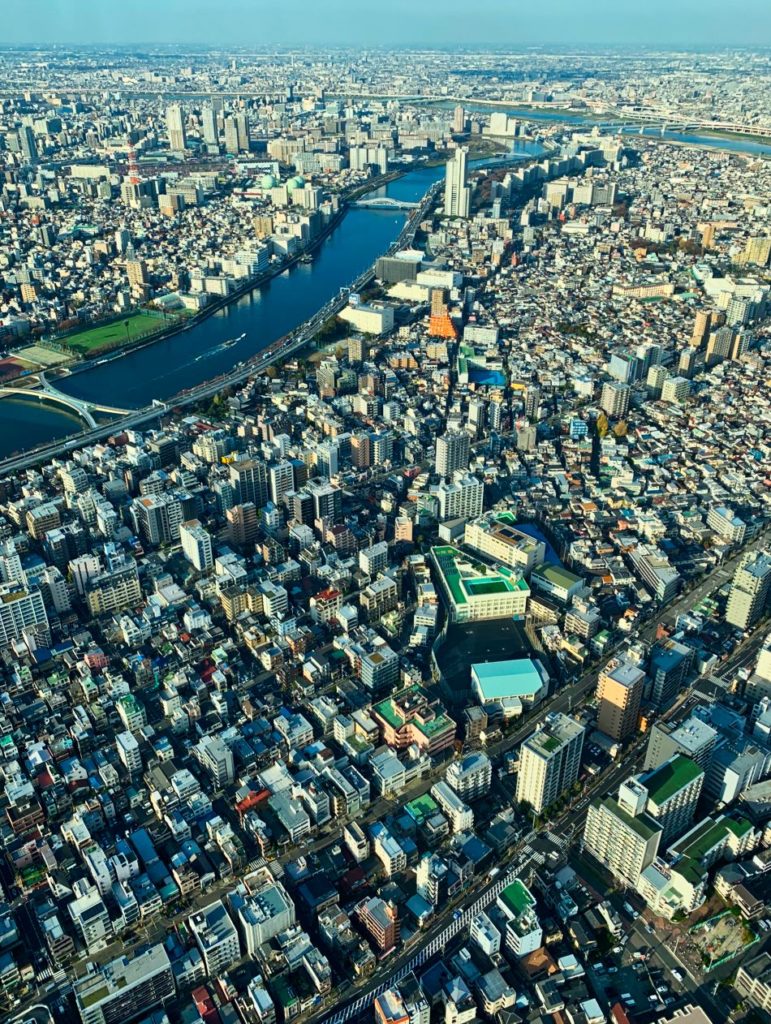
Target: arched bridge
point(386, 203)
point(47, 392)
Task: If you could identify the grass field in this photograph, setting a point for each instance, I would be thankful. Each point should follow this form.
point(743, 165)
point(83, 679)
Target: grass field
point(116, 333)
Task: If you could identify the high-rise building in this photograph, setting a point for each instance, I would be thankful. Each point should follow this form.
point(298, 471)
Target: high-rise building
point(671, 793)
point(123, 989)
point(459, 120)
point(457, 194)
point(196, 545)
point(694, 738)
point(113, 590)
point(281, 477)
point(532, 401)
point(701, 328)
point(209, 119)
point(22, 613)
point(619, 692)
point(158, 517)
point(614, 399)
point(748, 596)
point(231, 135)
point(452, 452)
point(668, 667)
point(175, 128)
point(758, 250)
point(620, 835)
point(216, 757)
point(549, 761)
point(250, 479)
point(28, 145)
point(462, 498)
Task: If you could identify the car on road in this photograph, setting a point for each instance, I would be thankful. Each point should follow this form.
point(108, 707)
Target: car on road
point(677, 974)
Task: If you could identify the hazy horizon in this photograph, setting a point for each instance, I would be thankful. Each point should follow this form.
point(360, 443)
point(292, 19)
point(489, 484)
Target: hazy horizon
point(681, 24)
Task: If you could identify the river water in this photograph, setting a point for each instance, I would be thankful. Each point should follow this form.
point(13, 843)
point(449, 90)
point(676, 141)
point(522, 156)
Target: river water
point(268, 312)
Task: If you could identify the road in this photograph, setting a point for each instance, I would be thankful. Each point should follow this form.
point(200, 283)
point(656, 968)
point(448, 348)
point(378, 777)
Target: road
point(279, 350)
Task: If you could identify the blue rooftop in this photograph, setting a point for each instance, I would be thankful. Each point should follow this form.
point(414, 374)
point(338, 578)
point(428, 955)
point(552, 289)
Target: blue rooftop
point(498, 679)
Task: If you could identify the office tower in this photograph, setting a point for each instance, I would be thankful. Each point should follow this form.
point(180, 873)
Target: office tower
point(196, 545)
point(175, 128)
point(748, 597)
point(209, 119)
point(619, 692)
point(216, 938)
point(22, 614)
point(758, 250)
point(457, 194)
point(28, 145)
point(549, 761)
point(452, 452)
point(250, 479)
point(620, 835)
point(614, 399)
point(461, 498)
point(671, 793)
point(693, 738)
point(123, 989)
point(532, 401)
point(459, 120)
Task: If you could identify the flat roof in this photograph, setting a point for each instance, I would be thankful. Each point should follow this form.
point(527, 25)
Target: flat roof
point(557, 575)
point(517, 897)
point(669, 778)
point(518, 677)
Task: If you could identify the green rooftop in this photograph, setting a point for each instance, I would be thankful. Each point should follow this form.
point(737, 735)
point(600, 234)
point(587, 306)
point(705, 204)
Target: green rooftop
point(666, 781)
point(422, 808)
point(517, 898)
point(466, 578)
point(556, 575)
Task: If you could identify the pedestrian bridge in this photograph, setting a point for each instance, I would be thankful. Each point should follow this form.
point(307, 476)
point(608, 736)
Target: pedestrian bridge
point(385, 203)
point(48, 393)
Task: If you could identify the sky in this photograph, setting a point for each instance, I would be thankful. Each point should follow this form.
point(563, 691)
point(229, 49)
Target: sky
point(389, 22)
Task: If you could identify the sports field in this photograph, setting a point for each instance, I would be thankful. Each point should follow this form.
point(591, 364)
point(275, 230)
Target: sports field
point(119, 332)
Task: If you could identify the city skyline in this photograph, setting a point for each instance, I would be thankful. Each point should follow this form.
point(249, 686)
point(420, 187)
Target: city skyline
point(688, 24)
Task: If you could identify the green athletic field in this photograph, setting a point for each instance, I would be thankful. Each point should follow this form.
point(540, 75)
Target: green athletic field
point(116, 333)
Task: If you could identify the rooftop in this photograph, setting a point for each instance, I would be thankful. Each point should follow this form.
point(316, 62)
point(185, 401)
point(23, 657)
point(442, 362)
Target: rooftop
point(669, 778)
point(518, 677)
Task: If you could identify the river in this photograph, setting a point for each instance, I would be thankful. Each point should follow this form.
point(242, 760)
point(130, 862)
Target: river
point(162, 369)
point(166, 367)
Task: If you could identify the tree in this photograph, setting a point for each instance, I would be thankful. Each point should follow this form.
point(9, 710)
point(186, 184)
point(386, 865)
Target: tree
point(271, 372)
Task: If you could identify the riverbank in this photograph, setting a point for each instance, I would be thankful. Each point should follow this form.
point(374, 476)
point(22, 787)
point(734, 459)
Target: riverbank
point(170, 330)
